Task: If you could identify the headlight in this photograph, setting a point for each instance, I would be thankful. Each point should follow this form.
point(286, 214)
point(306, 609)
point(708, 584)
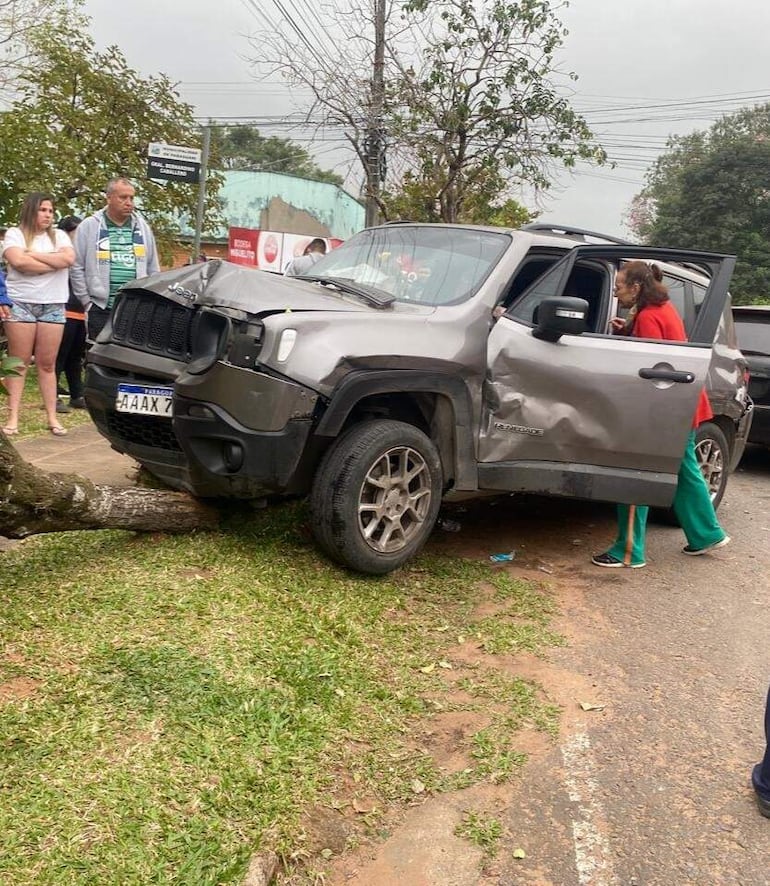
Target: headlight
point(208, 339)
point(286, 344)
point(246, 344)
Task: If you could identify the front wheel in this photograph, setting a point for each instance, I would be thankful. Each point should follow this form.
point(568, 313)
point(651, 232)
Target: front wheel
point(376, 496)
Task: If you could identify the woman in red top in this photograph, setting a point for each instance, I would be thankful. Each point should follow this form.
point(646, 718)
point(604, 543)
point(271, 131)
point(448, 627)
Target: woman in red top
point(639, 286)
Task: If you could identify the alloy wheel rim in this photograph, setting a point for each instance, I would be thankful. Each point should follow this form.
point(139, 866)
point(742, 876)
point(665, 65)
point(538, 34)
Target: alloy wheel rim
point(394, 499)
point(711, 464)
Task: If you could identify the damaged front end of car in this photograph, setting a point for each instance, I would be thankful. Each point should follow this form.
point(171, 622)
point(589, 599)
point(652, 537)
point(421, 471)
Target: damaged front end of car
point(175, 381)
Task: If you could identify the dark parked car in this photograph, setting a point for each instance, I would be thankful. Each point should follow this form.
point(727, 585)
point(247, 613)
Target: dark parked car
point(380, 383)
point(752, 325)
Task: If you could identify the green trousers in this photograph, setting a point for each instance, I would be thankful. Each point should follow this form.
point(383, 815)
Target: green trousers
point(692, 506)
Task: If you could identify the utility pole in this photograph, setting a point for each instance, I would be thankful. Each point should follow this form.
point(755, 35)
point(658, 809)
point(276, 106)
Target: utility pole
point(201, 191)
point(374, 143)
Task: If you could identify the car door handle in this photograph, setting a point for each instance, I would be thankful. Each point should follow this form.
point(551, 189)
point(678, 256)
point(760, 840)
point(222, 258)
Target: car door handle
point(684, 378)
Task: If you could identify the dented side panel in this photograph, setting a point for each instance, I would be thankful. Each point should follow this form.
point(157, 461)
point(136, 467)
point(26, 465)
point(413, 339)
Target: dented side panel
point(581, 400)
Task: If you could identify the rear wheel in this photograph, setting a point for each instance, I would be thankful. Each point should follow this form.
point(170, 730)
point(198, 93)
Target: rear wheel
point(376, 496)
point(713, 454)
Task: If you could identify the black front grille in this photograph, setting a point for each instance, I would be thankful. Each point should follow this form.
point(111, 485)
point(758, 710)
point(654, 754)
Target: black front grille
point(145, 430)
point(151, 323)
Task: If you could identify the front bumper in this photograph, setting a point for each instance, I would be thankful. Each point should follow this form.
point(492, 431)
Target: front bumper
point(256, 444)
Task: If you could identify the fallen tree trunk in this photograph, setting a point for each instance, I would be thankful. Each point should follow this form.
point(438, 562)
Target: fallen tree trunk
point(34, 501)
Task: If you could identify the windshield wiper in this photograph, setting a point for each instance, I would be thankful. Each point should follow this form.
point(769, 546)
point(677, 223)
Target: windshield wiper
point(375, 297)
point(750, 353)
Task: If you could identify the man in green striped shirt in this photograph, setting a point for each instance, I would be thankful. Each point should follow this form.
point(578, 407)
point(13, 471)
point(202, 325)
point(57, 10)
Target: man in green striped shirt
point(112, 247)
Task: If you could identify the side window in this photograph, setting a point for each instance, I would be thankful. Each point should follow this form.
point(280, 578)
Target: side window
point(524, 309)
point(585, 281)
point(681, 299)
point(532, 270)
point(698, 296)
point(676, 292)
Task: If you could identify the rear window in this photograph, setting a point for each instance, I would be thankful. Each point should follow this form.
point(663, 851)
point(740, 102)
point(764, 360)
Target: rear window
point(753, 333)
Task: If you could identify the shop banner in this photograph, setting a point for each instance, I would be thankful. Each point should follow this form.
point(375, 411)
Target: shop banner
point(242, 246)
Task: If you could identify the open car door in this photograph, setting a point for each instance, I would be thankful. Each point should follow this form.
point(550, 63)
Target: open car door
point(593, 415)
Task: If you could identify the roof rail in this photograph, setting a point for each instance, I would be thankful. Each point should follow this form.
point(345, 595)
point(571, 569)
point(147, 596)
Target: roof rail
point(567, 230)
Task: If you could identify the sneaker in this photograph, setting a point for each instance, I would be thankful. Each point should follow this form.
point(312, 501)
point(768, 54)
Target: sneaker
point(78, 402)
point(764, 805)
point(613, 563)
point(696, 552)
point(62, 407)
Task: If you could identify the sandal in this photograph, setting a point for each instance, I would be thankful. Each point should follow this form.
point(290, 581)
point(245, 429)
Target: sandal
point(10, 432)
point(57, 430)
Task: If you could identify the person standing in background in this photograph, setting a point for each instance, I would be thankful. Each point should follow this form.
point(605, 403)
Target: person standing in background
point(72, 349)
point(5, 302)
point(315, 249)
point(112, 247)
point(760, 776)
point(38, 257)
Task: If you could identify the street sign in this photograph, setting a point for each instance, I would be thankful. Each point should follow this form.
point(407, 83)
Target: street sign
point(174, 163)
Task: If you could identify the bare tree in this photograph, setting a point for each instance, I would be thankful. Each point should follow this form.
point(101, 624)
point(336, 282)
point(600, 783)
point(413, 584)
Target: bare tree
point(18, 18)
point(473, 97)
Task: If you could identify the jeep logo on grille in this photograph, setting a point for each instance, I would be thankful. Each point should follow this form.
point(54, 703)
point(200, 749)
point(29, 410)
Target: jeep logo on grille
point(187, 294)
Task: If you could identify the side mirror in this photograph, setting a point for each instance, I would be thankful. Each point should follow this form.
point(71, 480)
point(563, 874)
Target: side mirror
point(561, 316)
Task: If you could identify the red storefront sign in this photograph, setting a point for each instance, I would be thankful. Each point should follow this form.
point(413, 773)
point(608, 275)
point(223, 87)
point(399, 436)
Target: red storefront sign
point(242, 246)
point(268, 250)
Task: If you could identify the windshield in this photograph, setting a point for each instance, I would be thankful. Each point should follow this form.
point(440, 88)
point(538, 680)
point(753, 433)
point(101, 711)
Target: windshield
point(753, 334)
point(420, 264)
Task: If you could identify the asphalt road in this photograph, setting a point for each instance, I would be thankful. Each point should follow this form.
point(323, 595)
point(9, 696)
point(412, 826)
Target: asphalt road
point(654, 789)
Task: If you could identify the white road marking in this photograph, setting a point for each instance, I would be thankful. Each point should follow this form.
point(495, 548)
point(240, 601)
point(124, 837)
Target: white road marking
point(592, 850)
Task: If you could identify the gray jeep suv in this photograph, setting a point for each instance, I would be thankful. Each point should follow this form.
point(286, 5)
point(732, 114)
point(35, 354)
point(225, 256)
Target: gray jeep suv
point(383, 382)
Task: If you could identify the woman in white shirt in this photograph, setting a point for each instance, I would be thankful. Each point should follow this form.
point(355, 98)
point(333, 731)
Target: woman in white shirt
point(38, 256)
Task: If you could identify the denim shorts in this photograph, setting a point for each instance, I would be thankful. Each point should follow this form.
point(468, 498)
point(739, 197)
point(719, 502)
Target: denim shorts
point(32, 312)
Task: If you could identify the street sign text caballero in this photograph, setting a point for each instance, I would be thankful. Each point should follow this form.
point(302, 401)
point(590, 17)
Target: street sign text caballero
point(173, 163)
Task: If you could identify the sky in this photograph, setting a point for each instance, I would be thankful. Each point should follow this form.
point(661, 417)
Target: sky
point(646, 69)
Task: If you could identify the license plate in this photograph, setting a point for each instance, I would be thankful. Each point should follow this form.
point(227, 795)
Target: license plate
point(144, 400)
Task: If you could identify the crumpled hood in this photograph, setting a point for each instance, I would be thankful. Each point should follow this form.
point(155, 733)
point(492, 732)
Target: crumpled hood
point(224, 284)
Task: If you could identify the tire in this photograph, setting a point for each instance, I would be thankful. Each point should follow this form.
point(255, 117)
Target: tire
point(376, 496)
point(713, 453)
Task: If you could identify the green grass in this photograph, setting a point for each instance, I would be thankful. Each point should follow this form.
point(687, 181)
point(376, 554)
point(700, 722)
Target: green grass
point(194, 695)
point(481, 830)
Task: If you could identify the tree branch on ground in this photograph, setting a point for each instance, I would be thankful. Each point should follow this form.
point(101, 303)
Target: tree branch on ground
point(34, 501)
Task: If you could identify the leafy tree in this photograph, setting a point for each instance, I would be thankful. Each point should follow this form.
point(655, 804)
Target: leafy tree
point(242, 147)
point(482, 204)
point(84, 116)
point(479, 104)
point(710, 191)
point(471, 97)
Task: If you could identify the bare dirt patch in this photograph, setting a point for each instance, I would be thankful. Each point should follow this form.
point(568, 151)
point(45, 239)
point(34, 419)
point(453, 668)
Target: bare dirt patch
point(18, 689)
point(552, 543)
